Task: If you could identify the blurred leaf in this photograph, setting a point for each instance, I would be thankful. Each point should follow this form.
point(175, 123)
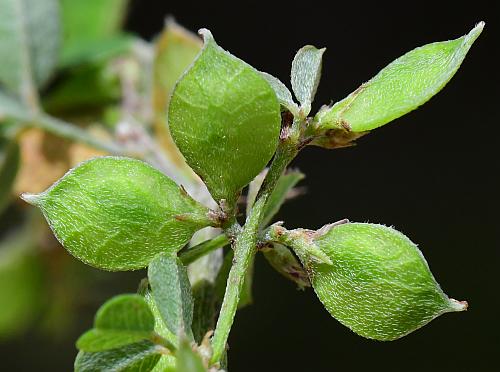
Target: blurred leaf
point(204, 311)
point(91, 30)
point(172, 293)
point(29, 43)
point(45, 158)
point(9, 164)
point(21, 284)
point(138, 357)
point(82, 88)
point(234, 108)
point(165, 364)
point(187, 359)
point(306, 73)
point(285, 263)
point(399, 88)
point(93, 51)
point(12, 108)
point(221, 279)
point(253, 190)
point(123, 320)
point(137, 209)
point(175, 49)
point(280, 193)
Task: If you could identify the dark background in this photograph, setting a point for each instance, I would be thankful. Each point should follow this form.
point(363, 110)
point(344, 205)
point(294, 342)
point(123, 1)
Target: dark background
point(432, 174)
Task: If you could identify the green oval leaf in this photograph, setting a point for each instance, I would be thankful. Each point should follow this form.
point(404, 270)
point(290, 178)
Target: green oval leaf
point(118, 213)
point(123, 320)
point(138, 357)
point(172, 293)
point(305, 74)
point(401, 87)
point(225, 119)
point(379, 283)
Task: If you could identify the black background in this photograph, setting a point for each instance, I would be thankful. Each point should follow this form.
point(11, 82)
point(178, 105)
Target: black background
point(433, 174)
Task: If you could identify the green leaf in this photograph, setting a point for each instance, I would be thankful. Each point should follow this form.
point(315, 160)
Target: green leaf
point(306, 73)
point(167, 361)
point(222, 275)
point(160, 327)
point(123, 320)
point(204, 311)
point(282, 93)
point(118, 213)
point(187, 359)
point(280, 193)
point(138, 357)
point(9, 164)
point(91, 30)
point(175, 50)
point(401, 87)
point(89, 86)
point(172, 293)
point(22, 284)
point(30, 34)
point(379, 284)
point(95, 51)
point(225, 119)
point(285, 263)
point(253, 190)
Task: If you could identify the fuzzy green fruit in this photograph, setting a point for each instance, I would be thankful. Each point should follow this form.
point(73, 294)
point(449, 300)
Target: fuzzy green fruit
point(118, 213)
point(225, 118)
point(377, 282)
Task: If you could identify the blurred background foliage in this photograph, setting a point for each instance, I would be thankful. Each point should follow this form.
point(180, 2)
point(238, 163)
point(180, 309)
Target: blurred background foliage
point(115, 86)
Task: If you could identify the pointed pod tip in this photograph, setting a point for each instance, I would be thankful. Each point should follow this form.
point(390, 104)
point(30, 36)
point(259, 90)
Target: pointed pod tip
point(458, 305)
point(206, 35)
point(33, 199)
point(476, 31)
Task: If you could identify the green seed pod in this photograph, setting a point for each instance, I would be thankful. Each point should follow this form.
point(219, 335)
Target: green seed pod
point(225, 118)
point(117, 213)
point(378, 284)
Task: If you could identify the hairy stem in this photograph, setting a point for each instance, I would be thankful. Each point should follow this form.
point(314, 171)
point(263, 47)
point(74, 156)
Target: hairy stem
point(245, 247)
point(192, 254)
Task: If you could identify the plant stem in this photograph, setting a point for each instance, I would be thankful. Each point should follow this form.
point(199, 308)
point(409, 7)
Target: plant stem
point(66, 130)
point(245, 247)
point(159, 340)
point(199, 250)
